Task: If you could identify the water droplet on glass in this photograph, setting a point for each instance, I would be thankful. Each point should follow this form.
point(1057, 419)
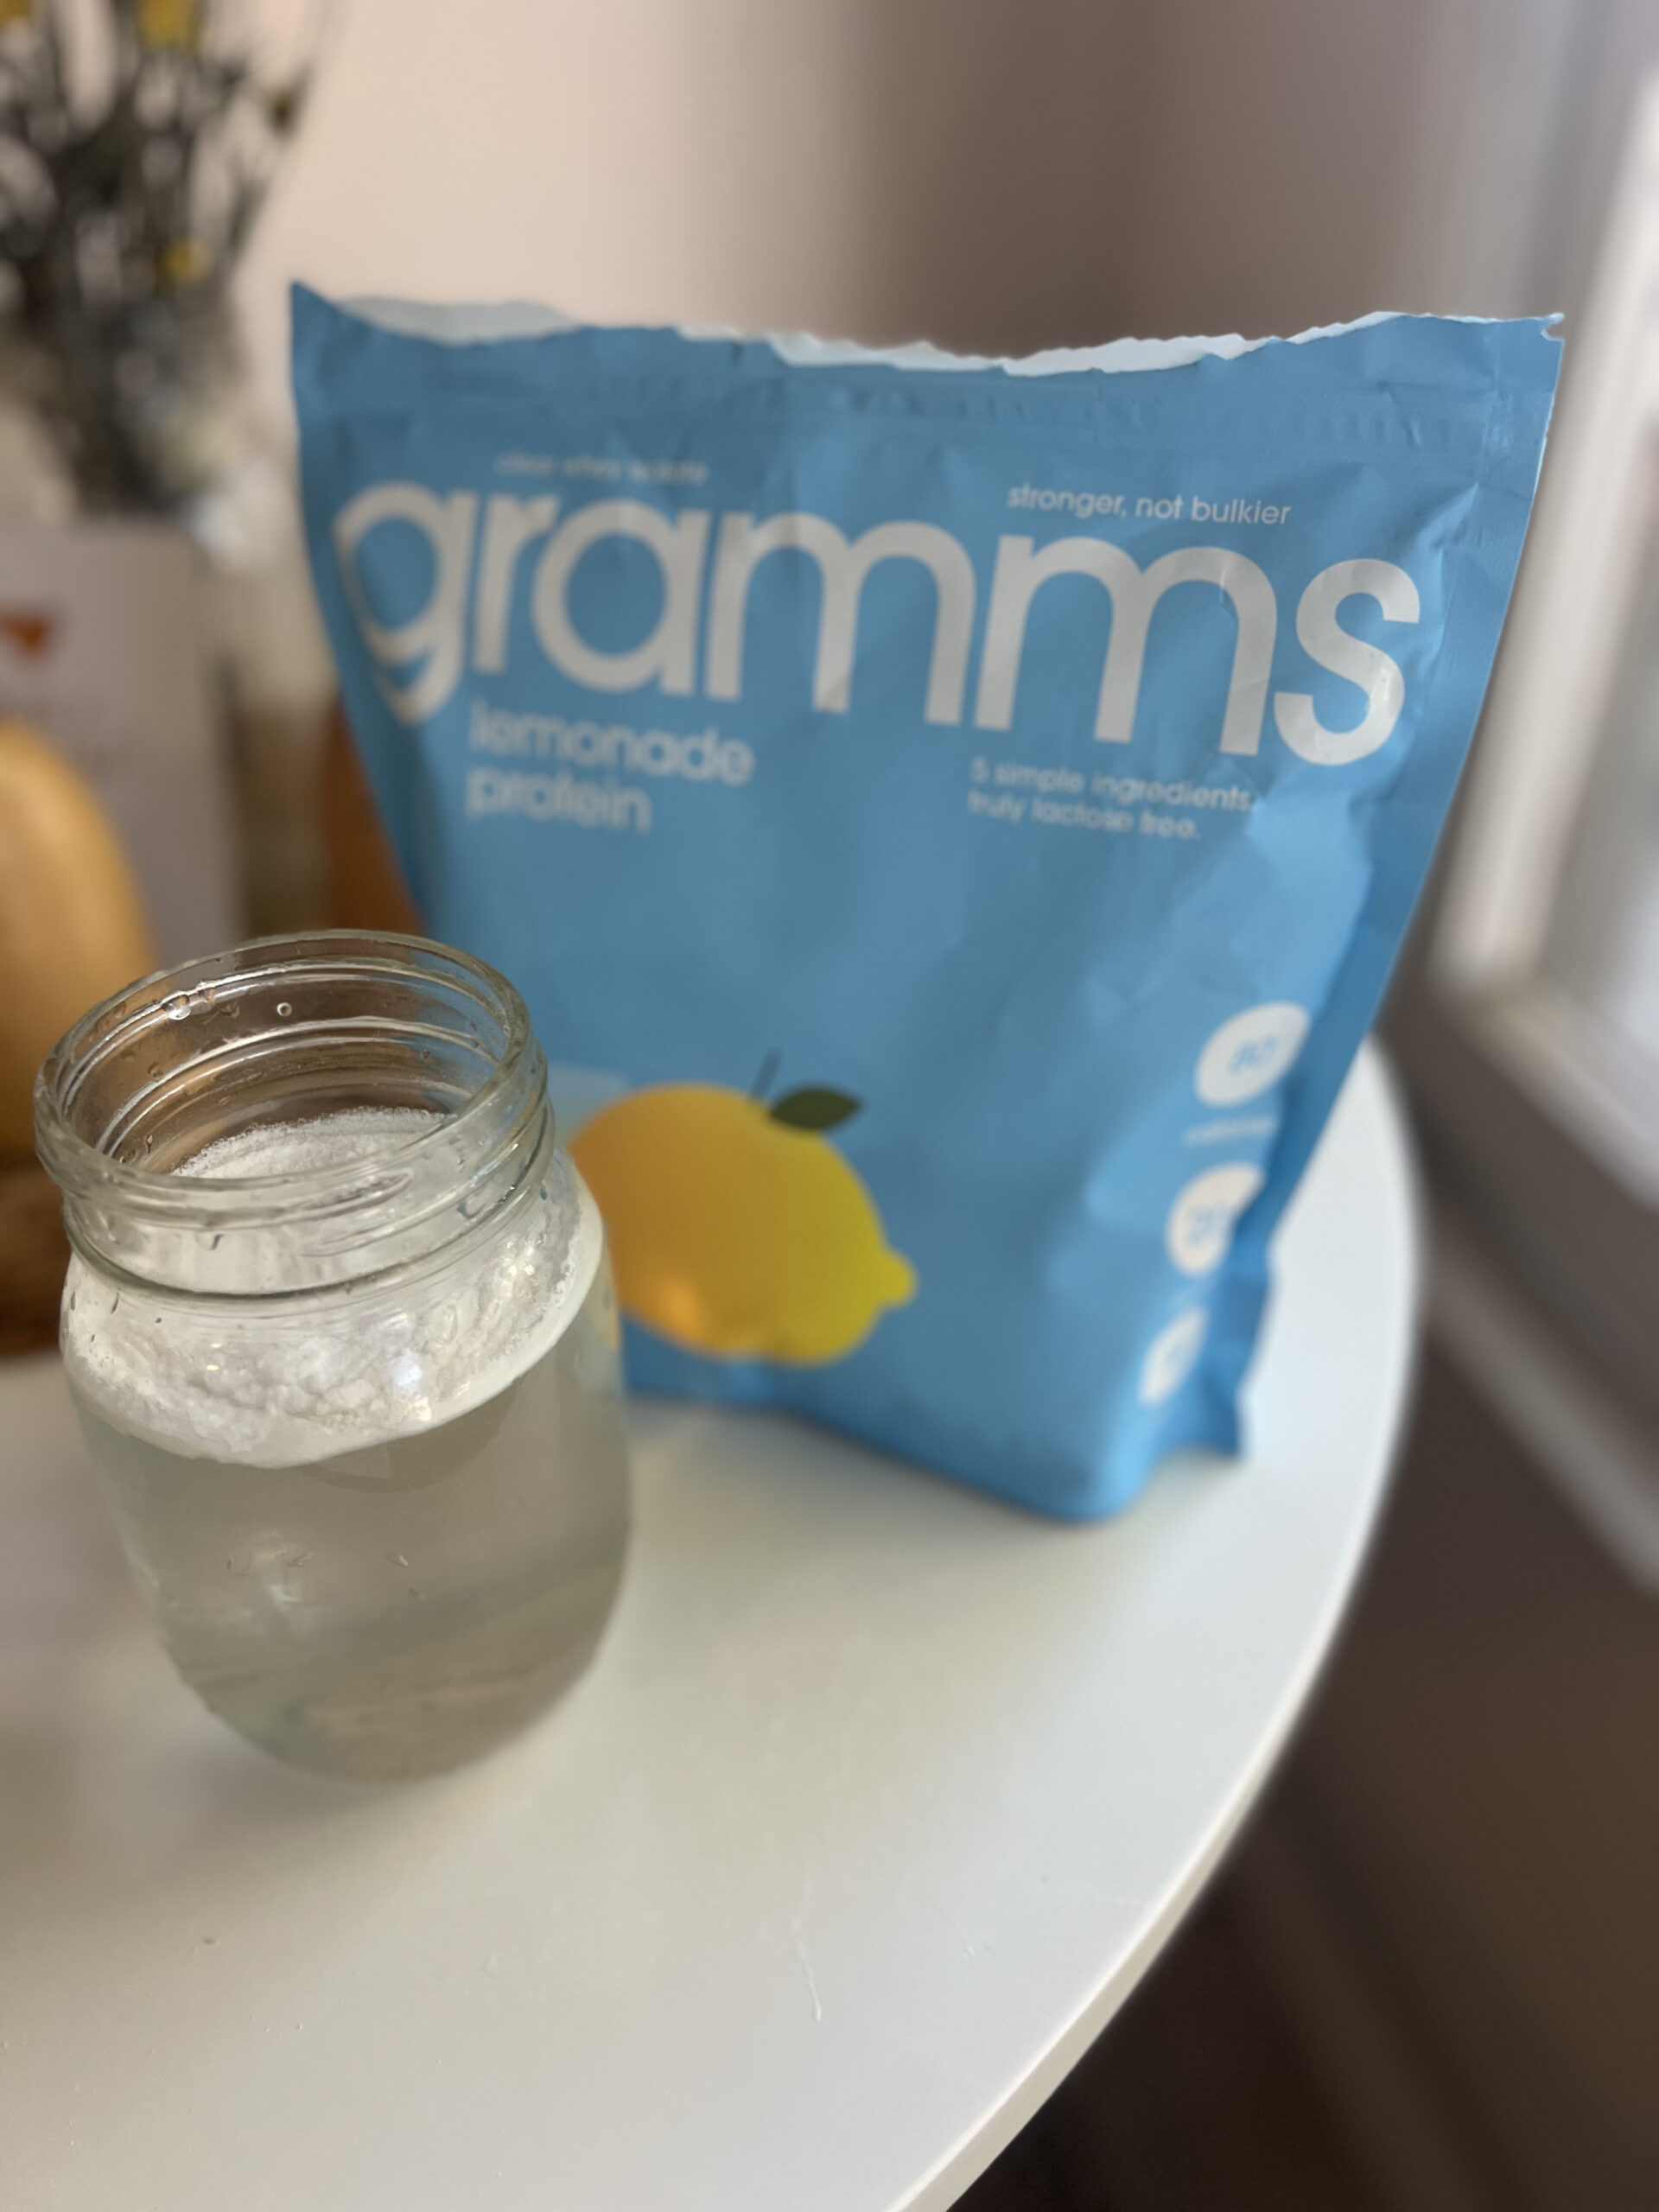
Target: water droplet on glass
point(177, 1007)
point(284, 1009)
point(398, 1558)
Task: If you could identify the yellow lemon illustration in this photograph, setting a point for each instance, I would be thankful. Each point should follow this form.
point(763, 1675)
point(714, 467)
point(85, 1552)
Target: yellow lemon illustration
point(735, 1229)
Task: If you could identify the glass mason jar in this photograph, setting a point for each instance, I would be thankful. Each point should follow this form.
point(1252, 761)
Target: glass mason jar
point(340, 1329)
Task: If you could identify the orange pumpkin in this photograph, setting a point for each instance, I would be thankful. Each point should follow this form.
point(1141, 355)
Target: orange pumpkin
point(72, 927)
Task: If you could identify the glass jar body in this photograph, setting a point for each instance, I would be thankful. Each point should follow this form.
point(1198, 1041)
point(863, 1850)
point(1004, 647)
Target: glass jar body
point(379, 1515)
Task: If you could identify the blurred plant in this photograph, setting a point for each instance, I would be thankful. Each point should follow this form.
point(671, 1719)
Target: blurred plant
point(137, 138)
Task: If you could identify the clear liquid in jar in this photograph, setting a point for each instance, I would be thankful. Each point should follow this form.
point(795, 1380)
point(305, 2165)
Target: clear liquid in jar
point(394, 1609)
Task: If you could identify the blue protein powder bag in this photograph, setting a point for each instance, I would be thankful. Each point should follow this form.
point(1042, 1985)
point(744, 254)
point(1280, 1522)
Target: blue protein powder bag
point(951, 821)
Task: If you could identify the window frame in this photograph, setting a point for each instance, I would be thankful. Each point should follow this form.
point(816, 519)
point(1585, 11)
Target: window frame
point(1557, 681)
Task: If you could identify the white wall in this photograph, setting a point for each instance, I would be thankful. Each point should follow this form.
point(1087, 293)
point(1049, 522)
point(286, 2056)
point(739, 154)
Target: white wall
point(997, 173)
point(641, 159)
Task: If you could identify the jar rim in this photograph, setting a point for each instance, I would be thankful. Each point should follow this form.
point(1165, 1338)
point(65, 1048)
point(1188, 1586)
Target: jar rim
point(86, 1171)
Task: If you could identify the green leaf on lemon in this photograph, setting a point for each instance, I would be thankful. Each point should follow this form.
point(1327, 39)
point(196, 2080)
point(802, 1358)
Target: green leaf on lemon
point(814, 1107)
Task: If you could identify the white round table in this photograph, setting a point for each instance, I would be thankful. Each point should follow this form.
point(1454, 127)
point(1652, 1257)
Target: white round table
point(878, 1800)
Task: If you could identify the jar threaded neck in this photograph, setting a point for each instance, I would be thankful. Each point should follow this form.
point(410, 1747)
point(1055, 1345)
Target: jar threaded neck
point(282, 1031)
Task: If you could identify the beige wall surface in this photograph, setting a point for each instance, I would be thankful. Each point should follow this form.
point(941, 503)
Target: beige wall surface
point(987, 174)
point(993, 173)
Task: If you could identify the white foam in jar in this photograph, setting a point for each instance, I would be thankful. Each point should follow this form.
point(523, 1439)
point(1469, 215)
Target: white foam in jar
point(285, 1380)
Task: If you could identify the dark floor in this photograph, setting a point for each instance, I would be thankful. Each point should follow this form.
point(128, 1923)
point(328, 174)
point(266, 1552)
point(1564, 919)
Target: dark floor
point(1427, 1980)
point(1199, 2094)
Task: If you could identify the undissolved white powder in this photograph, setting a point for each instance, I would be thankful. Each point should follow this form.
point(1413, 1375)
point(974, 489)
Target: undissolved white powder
point(273, 1382)
point(309, 1148)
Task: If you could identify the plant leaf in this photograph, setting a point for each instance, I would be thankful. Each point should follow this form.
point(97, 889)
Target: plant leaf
point(815, 1107)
